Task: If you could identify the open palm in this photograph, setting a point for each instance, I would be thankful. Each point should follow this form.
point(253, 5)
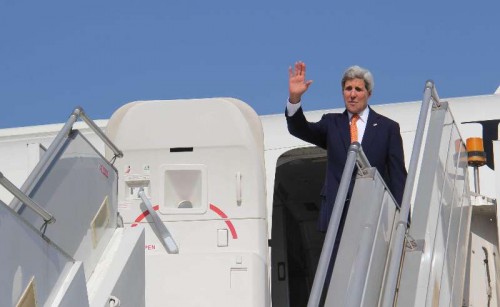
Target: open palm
point(297, 81)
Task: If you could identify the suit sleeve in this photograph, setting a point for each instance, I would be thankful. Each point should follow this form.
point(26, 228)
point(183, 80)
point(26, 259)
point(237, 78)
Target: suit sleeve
point(314, 133)
point(396, 164)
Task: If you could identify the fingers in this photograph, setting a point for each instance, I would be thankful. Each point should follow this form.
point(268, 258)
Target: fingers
point(299, 69)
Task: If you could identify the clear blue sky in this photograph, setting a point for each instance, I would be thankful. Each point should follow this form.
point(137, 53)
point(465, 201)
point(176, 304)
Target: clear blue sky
point(55, 55)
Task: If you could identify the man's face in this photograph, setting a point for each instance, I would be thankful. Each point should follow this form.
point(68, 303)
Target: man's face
point(355, 95)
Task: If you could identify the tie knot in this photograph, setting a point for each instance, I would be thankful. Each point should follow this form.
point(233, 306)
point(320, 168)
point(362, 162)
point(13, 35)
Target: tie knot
point(354, 118)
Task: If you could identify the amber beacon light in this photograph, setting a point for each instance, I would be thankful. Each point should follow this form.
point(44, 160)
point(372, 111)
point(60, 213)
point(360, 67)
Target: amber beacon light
point(476, 157)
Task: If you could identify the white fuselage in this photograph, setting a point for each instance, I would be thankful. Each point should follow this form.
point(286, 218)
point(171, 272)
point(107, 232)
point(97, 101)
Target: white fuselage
point(227, 184)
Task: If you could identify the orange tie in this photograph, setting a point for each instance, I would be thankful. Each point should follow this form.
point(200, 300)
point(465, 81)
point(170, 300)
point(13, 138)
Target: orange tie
point(354, 128)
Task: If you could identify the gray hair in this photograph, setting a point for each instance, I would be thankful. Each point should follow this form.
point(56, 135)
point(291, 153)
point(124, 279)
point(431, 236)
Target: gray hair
point(356, 72)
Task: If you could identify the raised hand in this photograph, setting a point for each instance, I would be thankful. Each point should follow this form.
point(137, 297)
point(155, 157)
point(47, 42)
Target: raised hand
point(297, 84)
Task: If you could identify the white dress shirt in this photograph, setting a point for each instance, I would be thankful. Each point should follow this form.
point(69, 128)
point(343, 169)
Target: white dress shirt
point(291, 109)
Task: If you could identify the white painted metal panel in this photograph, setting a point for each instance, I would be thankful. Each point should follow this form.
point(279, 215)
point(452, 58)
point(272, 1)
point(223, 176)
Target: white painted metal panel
point(79, 189)
point(369, 225)
point(16, 159)
point(120, 271)
point(432, 274)
point(201, 162)
point(25, 255)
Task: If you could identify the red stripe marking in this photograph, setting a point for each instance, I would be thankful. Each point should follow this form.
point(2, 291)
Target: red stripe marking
point(228, 222)
point(143, 215)
point(214, 208)
point(232, 229)
point(218, 211)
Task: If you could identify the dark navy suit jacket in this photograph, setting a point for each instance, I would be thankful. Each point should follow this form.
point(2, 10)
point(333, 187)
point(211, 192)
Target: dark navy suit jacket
point(381, 143)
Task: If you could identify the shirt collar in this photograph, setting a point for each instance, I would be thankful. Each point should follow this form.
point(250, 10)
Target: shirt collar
point(363, 115)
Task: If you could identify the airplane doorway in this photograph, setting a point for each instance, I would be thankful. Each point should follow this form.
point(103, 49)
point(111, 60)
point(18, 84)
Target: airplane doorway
point(296, 242)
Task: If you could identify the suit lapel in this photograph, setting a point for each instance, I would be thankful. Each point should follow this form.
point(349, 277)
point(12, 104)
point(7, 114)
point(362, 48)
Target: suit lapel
point(371, 129)
point(344, 130)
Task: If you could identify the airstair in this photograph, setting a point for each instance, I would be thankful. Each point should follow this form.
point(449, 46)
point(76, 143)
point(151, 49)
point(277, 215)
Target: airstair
point(65, 246)
point(382, 262)
point(77, 234)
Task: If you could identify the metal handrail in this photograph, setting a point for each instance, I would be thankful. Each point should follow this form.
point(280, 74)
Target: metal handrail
point(430, 93)
point(78, 112)
point(55, 147)
point(6, 183)
point(355, 155)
